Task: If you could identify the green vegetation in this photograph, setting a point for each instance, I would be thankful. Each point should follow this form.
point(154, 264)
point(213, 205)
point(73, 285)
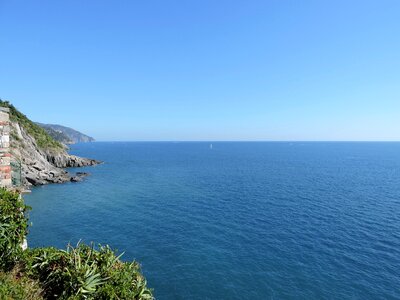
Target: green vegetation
point(13, 228)
point(16, 285)
point(65, 135)
point(43, 139)
point(59, 136)
point(80, 272)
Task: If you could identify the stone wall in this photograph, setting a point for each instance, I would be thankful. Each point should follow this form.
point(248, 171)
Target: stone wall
point(5, 156)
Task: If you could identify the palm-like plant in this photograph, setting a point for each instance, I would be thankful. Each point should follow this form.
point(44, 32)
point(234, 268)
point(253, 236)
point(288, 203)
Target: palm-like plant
point(83, 270)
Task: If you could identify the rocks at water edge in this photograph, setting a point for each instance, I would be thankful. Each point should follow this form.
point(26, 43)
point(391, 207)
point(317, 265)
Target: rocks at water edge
point(43, 166)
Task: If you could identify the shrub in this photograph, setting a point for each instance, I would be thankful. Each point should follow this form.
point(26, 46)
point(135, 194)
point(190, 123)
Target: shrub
point(15, 285)
point(83, 272)
point(13, 228)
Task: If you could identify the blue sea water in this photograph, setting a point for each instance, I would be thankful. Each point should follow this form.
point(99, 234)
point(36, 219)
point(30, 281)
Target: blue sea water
point(240, 220)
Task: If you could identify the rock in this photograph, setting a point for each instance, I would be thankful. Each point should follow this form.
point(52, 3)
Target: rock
point(79, 176)
point(76, 179)
point(33, 179)
point(24, 244)
point(39, 167)
point(82, 174)
point(65, 160)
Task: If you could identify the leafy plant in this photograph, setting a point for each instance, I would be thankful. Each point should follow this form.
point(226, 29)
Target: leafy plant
point(83, 272)
point(13, 227)
point(15, 285)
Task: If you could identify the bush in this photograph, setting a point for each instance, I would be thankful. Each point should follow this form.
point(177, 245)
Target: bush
point(13, 228)
point(15, 285)
point(83, 272)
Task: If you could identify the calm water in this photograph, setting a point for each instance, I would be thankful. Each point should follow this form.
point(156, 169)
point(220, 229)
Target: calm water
point(241, 220)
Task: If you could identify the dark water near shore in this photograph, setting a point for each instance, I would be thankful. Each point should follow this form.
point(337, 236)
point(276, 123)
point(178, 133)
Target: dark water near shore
point(240, 220)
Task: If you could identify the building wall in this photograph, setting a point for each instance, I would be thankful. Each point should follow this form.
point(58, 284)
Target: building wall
point(5, 156)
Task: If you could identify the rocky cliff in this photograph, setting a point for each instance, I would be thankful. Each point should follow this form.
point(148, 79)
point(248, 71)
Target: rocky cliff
point(42, 158)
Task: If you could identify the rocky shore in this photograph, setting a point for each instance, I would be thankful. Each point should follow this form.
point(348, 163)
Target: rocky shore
point(38, 166)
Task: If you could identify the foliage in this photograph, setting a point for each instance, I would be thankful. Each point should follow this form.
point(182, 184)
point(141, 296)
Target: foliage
point(16, 285)
point(64, 134)
point(13, 227)
point(83, 272)
point(43, 139)
point(56, 134)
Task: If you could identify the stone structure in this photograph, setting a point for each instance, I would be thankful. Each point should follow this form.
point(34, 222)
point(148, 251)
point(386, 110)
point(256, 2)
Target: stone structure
point(5, 155)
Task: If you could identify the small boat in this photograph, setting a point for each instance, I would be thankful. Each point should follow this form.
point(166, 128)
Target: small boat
point(210, 146)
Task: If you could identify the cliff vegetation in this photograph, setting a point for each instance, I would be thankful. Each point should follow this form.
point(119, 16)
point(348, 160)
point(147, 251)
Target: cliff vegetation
point(41, 158)
point(43, 139)
point(65, 134)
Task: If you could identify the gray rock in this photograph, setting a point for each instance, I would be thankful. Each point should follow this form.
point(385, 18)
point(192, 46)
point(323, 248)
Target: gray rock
point(82, 174)
point(41, 167)
point(76, 179)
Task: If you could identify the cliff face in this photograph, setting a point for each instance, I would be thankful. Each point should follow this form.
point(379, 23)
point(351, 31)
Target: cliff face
point(42, 166)
point(42, 158)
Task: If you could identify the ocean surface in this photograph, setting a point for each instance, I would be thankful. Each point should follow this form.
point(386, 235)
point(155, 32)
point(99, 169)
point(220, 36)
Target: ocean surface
point(238, 220)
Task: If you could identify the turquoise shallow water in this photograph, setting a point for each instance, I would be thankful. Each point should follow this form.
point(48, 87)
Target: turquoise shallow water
point(240, 220)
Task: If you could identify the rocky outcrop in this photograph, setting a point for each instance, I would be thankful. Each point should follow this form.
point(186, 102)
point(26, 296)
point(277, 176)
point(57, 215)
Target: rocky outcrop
point(61, 160)
point(39, 166)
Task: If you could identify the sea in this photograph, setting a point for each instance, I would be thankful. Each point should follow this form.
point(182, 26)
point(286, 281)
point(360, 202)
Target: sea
point(237, 220)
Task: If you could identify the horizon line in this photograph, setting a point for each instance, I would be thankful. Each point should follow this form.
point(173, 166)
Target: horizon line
point(246, 141)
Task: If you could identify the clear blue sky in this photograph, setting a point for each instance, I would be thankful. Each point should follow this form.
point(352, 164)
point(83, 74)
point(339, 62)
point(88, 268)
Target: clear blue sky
point(206, 70)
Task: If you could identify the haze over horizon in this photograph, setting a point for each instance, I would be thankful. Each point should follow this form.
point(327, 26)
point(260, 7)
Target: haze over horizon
point(206, 70)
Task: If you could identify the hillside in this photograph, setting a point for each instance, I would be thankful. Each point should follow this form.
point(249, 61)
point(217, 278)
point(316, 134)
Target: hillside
point(41, 137)
point(41, 157)
point(65, 135)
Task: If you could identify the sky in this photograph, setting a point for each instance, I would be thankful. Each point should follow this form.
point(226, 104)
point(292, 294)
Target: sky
point(206, 69)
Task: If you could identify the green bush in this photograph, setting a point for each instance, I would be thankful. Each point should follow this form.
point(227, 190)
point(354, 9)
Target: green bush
point(16, 286)
point(83, 272)
point(13, 228)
